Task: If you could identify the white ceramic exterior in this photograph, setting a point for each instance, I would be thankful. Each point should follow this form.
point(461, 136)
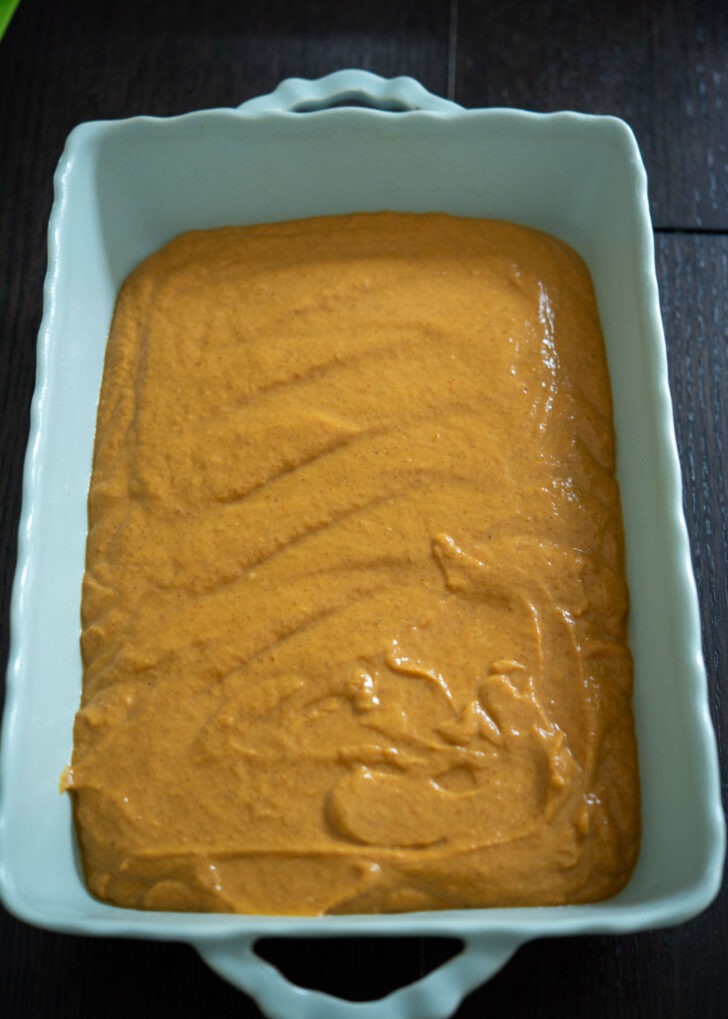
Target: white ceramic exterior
point(122, 190)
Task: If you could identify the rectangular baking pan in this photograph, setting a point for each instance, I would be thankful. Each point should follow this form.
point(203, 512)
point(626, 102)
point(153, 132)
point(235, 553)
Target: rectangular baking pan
point(122, 190)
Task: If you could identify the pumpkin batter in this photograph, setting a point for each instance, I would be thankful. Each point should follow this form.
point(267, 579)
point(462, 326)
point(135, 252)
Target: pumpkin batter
point(354, 613)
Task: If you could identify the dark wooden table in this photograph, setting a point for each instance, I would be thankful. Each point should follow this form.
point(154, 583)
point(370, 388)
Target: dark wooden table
point(663, 67)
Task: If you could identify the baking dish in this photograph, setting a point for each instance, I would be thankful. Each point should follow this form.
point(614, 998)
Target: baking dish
point(122, 190)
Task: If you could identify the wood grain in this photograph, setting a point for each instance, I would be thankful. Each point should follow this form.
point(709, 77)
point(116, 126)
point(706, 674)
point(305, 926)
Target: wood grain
point(662, 67)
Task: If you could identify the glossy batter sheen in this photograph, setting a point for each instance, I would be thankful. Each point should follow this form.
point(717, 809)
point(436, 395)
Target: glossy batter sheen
point(354, 615)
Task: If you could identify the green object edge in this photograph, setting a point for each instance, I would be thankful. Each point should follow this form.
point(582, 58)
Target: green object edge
point(7, 9)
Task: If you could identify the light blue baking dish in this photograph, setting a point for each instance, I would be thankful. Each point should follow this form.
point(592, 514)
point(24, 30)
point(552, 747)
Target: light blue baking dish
point(122, 190)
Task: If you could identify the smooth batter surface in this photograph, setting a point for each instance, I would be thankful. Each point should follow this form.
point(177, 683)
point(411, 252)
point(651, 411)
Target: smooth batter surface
point(354, 615)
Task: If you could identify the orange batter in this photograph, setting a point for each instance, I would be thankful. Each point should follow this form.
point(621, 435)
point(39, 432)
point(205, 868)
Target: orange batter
point(354, 614)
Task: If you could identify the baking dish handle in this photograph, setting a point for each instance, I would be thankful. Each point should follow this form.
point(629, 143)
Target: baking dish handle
point(350, 87)
point(434, 996)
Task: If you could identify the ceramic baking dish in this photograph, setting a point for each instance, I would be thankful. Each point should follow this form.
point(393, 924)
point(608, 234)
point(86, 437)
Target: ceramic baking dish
point(122, 190)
